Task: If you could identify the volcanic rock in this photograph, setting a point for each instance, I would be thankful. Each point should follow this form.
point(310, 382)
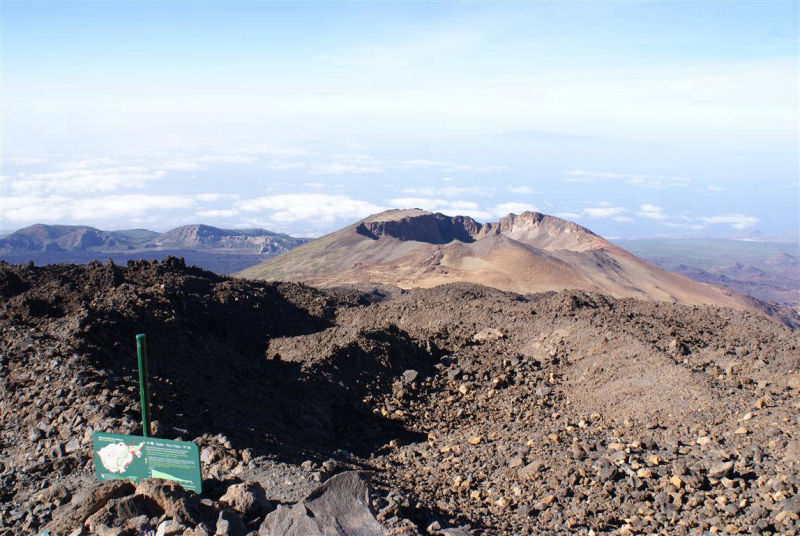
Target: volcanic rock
point(247, 498)
point(340, 506)
point(266, 376)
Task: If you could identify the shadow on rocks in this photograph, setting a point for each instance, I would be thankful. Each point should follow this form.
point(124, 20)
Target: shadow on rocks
point(207, 340)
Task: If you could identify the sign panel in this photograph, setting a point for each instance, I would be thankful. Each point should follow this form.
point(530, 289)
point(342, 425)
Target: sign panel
point(129, 457)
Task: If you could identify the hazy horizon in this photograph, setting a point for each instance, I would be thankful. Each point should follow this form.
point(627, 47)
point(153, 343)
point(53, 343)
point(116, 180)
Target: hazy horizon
point(633, 119)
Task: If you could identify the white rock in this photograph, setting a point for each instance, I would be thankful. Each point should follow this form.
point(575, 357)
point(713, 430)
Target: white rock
point(169, 527)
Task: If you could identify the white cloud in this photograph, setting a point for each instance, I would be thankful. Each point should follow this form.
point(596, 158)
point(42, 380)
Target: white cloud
point(520, 189)
point(21, 160)
point(445, 206)
point(647, 181)
point(445, 166)
point(582, 180)
point(280, 165)
point(222, 213)
point(80, 181)
point(361, 158)
point(133, 204)
point(403, 56)
point(503, 209)
point(737, 221)
point(211, 197)
point(341, 168)
point(717, 188)
point(568, 215)
point(226, 159)
point(603, 212)
point(453, 207)
point(87, 163)
point(636, 179)
point(271, 150)
point(192, 163)
point(337, 164)
point(181, 165)
point(430, 203)
point(32, 208)
point(310, 207)
point(594, 174)
point(652, 212)
point(603, 209)
point(80, 210)
point(450, 191)
point(358, 163)
point(341, 164)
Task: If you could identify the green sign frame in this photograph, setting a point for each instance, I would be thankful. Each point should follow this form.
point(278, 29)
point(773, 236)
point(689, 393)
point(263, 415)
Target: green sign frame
point(135, 458)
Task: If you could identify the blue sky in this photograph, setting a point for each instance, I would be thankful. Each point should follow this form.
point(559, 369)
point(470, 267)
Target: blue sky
point(632, 118)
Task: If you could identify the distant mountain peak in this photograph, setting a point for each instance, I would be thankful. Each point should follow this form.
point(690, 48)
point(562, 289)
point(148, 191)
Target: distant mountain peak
point(420, 226)
point(43, 237)
point(81, 238)
point(437, 228)
point(529, 220)
point(527, 252)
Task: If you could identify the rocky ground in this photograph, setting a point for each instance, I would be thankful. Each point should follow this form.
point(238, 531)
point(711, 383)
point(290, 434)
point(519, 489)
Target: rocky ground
point(468, 410)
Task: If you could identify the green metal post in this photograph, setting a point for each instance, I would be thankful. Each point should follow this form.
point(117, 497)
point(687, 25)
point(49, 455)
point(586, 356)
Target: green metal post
point(144, 388)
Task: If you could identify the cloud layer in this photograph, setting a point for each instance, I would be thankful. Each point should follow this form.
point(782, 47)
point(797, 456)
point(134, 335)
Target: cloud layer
point(306, 191)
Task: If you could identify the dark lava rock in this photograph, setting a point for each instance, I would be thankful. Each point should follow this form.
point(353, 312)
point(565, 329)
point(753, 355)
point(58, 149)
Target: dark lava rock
point(340, 506)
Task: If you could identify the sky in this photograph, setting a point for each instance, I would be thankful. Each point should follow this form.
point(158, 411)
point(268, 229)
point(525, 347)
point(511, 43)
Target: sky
point(631, 118)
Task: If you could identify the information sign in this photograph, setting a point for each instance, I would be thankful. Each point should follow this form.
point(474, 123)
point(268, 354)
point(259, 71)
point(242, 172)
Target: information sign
point(129, 457)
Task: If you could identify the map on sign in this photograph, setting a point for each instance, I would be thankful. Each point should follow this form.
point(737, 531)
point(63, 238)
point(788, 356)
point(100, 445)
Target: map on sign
point(135, 458)
point(116, 457)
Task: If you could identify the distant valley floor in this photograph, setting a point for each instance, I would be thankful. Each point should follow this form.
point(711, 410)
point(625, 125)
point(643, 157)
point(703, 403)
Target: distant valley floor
point(769, 271)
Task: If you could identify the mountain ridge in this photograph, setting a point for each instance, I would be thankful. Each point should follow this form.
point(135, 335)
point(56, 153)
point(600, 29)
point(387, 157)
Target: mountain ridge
point(44, 237)
point(523, 253)
point(219, 250)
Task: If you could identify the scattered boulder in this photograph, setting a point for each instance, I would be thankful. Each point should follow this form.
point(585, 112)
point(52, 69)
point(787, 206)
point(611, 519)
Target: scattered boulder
point(247, 498)
point(139, 525)
point(117, 512)
point(209, 455)
point(410, 376)
point(793, 451)
point(720, 470)
point(176, 502)
point(87, 502)
point(72, 446)
point(341, 507)
point(230, 524)
point(530, 470)
point(170, 527)
point(488, 335)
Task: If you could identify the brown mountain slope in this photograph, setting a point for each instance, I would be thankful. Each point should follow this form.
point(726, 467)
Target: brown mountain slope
point(530, 252)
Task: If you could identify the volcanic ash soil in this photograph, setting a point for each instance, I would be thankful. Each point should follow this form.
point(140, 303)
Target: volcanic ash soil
point(469, 410)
